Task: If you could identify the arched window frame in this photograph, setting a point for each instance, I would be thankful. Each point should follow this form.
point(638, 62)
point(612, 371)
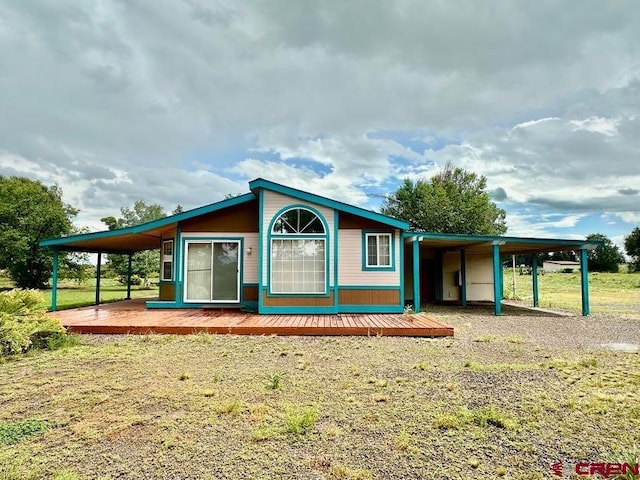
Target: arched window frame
point(323, 237)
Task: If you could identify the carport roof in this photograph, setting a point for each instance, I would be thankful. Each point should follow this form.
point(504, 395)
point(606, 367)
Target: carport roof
point(508, 245)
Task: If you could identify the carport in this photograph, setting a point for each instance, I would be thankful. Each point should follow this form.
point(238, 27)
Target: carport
point(452, 251)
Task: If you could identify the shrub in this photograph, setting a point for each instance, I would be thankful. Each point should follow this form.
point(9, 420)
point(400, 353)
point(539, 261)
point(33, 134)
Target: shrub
point(24, 323)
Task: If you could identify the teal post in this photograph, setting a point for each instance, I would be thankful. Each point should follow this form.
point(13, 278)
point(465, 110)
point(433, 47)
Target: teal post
point(463, 278)
point(416, 275)
point(129, 277)
point(497, 279)
point(98, 267)
point(584, 281)
point(178, 265)
point(534, 277)
point(54, 283)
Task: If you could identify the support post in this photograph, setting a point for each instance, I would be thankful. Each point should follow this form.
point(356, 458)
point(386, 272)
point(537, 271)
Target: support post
point(98, 267)
point(534, 278)
point(463, 278)
point(416, 275)
point(584, 281)
point(497, 279)
point(54, 282)
point(129, 277)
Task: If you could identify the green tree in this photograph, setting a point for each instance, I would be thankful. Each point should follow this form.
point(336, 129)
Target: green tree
point(632, 247)
point(30, 212)
point(606, 257)
point(142, 263)
point(453, 201)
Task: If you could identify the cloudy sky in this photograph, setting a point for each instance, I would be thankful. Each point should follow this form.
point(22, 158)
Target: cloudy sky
point(184, 101)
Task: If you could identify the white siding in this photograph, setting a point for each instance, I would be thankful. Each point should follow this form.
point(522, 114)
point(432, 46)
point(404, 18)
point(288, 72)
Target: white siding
point(273, 203)
point(249, 261)
point(350, 261)
point(479, 276)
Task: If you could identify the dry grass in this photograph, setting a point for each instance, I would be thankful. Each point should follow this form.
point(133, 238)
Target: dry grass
point(197, 407)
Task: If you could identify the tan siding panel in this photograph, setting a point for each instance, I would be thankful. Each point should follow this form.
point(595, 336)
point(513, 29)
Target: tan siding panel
point(368, 297)
point(167, 292)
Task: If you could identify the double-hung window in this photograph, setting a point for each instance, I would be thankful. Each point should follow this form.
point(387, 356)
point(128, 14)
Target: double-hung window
point(378, 250)
point(298, 253)
point(166, 269)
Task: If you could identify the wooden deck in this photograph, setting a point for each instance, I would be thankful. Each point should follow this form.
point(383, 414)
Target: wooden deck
point(131, 316)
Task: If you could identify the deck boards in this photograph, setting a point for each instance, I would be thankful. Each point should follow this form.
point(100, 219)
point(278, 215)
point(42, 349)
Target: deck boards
point(131, 316)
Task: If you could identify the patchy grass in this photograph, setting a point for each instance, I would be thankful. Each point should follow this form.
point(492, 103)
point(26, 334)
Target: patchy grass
point(369, 407)
point(609, 293)
point(72, 295)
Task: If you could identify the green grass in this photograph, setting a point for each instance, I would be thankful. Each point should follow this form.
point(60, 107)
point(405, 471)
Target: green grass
point(518, 410)
point(72, 295)
point(609, 293)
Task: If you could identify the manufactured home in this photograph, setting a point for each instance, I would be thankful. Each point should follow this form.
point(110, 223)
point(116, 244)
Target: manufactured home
point(281, 250)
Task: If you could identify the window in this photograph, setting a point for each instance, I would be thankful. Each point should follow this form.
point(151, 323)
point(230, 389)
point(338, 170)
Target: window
point(298, 253)
point(166, 269)
point(378, 250)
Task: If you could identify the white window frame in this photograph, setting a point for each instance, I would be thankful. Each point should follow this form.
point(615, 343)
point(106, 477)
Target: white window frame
point(366, 253)
point(297, 238)
point(167, 259)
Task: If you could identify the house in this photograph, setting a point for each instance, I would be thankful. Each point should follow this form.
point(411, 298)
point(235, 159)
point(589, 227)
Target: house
point(560, 265)
point(281, 250)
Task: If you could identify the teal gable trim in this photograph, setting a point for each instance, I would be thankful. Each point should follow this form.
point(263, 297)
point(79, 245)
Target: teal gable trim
point(389, 268)
point(154, 224)
point(260, 183)
point(327, 246)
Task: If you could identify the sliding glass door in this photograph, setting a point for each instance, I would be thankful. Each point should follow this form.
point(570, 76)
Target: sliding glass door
point(212, 271)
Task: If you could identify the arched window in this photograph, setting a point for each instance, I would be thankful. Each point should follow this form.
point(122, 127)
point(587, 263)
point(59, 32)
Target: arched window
point(298, 253)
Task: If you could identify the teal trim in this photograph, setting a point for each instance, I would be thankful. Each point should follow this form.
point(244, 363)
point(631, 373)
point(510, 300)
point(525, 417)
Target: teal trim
point(336, 242)
point(370, 308)
point(54, 282)
point(249, 285)
point(330, 310)
point(416, 275)
point(386, 268)
point(370, 287)
point(181, 300)
point(162, 222)
point(98, 274)
point(402, 270)
point(584, 281)
point(534, 278)
point(260, 248)
point(463, 278)
point(497, 279)
point(287, 236)
point(129, 277)
point(260, 183)
point(489, 238)
point(179, 261)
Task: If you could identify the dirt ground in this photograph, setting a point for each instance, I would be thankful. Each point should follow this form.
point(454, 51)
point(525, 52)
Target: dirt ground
point(507, 397)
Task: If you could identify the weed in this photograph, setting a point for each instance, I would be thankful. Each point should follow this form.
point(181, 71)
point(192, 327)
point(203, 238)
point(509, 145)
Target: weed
point(184, 376)
point(408, 309)
point(501, 471)
point(14, 432)
point(264, 432)
point(474, 463)
point(216, 377)
point(300, 421)
point(275, 378)
point(382, 383)
point(404, 440)
point(233, 408)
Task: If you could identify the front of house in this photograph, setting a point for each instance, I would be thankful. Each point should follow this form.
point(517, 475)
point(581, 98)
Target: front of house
point(279, 250)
